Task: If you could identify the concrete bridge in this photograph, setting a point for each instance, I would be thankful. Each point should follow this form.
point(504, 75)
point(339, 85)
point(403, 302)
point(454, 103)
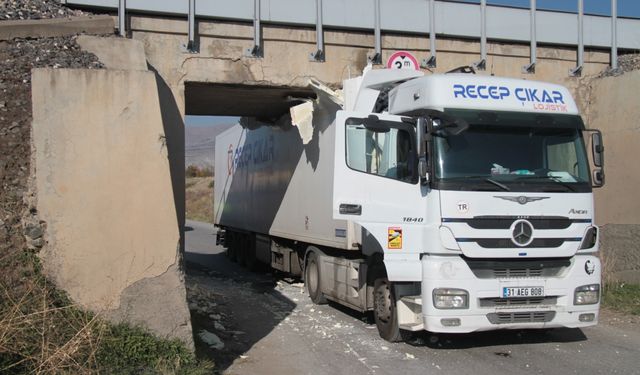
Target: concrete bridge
point(211, 53)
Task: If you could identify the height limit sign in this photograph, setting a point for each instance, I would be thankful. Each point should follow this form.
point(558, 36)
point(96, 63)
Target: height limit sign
point(402, 60)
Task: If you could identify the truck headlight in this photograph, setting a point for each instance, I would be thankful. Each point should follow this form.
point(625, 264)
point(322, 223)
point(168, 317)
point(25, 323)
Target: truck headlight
point(587, 295)
point(448, 298)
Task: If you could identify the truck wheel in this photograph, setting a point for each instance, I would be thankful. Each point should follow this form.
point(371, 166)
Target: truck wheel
point(385, 312)
point(312, 279)
point(250, 260)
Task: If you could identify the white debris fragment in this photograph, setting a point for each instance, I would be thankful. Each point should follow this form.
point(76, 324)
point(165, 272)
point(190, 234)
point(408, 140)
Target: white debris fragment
point(244, 356)
point(409, 356)
point(302, 117)
point(210, 339)
point(385, 348)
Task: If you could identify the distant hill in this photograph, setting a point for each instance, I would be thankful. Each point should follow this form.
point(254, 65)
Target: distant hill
point(200, 144)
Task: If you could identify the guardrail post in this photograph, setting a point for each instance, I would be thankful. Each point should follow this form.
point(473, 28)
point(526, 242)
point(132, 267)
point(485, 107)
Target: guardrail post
point(318, 55)
point(531, 67)
point(192, 45)
point(577, 71)
point(482, 64)
point(257, 49)
point(431, 61)
point(614, 34)
point(122, 14)
point(376, 58)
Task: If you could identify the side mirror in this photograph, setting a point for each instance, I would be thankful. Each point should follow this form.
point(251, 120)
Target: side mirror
point(597, 149)
point(597, 153)
point(598, 178)
point(423, 165)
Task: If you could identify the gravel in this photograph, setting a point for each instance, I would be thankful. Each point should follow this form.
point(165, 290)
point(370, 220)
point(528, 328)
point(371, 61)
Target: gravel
point(626, 63)
point(17, 58)
point(35, 9)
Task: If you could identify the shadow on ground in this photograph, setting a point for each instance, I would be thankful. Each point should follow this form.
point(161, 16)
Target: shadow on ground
point(478, 339)
point(238, 306)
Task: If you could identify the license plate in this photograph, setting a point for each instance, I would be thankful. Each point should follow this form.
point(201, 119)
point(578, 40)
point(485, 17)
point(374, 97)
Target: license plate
point(523, 292)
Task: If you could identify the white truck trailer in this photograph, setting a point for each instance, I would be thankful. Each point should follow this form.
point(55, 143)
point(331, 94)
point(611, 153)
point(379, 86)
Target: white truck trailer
point(446, 203)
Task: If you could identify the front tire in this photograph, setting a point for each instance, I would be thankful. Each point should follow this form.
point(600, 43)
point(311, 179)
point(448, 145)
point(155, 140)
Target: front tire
point(313, 281)
point(385, 312)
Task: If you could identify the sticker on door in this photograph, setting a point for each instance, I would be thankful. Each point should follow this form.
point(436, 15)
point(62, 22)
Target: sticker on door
point(394, 238)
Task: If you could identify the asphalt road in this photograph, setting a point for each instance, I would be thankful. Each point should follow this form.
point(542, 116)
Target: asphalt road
point(268, 325)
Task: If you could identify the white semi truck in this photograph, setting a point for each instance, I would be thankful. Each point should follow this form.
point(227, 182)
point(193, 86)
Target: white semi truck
point(447, 203)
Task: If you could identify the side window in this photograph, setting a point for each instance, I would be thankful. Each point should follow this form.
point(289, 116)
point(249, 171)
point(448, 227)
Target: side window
point(390, 154)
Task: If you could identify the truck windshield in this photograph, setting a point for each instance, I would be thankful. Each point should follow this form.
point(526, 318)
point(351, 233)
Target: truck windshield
point(513, 152)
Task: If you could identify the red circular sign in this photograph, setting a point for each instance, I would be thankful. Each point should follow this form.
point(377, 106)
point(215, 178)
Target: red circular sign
point(402, 60)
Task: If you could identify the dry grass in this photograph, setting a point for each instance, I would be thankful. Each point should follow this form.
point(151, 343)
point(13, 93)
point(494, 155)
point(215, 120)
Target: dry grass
point(43, 332)
point(199, 198)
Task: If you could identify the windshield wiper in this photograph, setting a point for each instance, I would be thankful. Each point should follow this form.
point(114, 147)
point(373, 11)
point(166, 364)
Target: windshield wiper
point(552, 178)
point(484, 178)
point(498, 184)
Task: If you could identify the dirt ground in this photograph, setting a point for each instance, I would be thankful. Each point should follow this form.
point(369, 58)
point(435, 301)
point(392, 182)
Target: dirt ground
point(265, 323)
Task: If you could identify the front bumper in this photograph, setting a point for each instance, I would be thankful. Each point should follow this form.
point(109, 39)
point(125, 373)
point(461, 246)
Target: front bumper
point(487, 311)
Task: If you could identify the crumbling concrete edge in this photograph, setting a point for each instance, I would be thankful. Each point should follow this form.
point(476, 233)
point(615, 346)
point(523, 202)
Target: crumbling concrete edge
point(134, 309)
point(47, 28)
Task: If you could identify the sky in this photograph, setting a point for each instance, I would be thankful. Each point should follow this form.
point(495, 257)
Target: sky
point(626, 8)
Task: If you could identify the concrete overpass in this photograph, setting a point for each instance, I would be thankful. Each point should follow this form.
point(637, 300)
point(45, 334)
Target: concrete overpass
point(208, 51)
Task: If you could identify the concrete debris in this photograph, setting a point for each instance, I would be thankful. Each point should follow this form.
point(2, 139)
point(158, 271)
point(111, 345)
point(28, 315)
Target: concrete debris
point(36, 9)
point(211, 339)
point(218, 326)
point(302, 117)
point(409, 356)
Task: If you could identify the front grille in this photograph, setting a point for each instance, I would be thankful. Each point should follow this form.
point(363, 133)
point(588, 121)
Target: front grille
point(504, 222)
point(506, 243)
point(500, 268)
point(517, 272)
point(517, 302)
point(521, 317)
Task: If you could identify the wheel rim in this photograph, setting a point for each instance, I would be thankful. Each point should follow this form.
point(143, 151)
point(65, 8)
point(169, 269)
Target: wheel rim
point(312, 277)
point(382, 300)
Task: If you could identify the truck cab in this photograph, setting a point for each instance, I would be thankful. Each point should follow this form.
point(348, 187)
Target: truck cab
point(475, 192)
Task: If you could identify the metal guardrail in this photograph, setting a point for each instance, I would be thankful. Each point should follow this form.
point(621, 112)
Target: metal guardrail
point(435, 18)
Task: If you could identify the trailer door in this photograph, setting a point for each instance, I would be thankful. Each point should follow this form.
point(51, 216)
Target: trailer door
point(376, 182)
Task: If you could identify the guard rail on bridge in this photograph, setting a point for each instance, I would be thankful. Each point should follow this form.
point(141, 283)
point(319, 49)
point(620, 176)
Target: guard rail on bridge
point(429, 17)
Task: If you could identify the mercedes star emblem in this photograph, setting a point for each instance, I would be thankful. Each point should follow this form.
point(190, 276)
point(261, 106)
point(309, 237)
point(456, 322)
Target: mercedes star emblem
point(521, 233)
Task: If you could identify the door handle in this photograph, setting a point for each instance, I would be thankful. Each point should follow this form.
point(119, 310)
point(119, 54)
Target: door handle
point(350, 209)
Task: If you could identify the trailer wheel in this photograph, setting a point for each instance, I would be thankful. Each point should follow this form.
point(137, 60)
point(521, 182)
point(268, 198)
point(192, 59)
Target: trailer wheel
point(385, 312)
point(312, 279)
point(232, 247)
